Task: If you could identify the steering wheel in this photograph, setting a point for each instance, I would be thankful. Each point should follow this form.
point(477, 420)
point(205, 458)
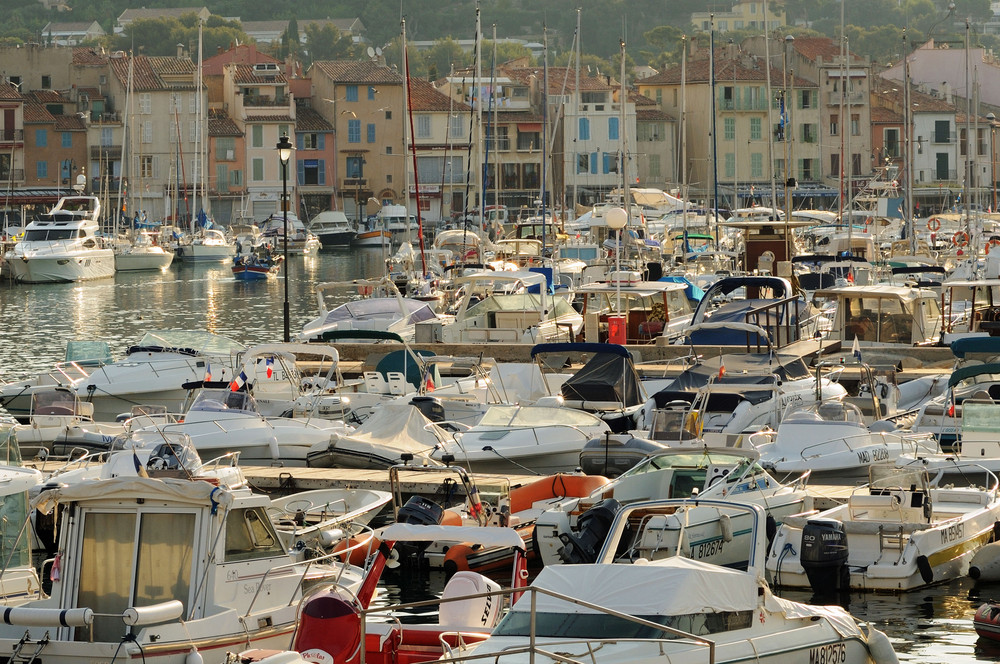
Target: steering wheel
point(156, 463)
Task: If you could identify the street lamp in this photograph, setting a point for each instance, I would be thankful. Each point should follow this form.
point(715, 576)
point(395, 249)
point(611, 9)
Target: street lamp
point(285, 148)
point(993, 157)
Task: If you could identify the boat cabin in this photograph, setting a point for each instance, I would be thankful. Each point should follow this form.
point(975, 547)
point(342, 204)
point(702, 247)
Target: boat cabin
point(881, 314)
point(651, 309)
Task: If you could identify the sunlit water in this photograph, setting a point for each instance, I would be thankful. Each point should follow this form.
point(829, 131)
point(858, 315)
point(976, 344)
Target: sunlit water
point(929, 626)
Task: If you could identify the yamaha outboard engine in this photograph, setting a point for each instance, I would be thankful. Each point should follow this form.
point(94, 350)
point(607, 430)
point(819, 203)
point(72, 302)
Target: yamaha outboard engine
point(592, 529)
point(430, 406)
point(419, 511)
point(824, 556)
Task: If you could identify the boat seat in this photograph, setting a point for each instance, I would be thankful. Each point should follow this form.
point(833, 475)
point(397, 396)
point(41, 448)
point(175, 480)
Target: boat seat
point(656, 536)
point(886, 507)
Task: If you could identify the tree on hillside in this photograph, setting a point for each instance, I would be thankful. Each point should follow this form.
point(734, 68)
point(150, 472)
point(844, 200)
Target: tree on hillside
point(664, 46)
point(440, 57)
point(393, 54)
point(326, 42)
point(289, 41)
point(506, 51)
point(160, 36)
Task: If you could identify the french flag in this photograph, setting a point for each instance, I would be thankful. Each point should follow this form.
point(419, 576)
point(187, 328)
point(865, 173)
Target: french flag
point(238, 382)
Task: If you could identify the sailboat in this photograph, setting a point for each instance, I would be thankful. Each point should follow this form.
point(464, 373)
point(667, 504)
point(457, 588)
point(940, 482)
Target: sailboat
point(143, 251)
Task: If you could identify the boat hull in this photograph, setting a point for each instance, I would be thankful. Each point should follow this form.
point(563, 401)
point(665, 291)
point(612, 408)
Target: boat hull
point(337, 238)
point(372, 239)
point(135, 262)
point(195, 253)
point(95, 264)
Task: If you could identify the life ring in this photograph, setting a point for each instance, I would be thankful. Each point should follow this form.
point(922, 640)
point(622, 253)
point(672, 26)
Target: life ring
point(364, 290)
point(992, 243)
point(960, 239)
point(933, 224)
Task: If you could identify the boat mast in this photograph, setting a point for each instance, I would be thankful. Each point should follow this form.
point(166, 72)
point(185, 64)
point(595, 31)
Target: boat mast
point(478, 99)
point(908, 143)
point(413, 147)
point(125, 127)
point(576, 112)
point(968, 143)
point(768, 126)
point(201, 128)
point(714, 144)
point(683, 151)
point(545, 128)
point(407, 121)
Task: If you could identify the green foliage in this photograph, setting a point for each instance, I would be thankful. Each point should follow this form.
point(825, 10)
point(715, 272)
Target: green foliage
point(326, 42)
point(160, 36)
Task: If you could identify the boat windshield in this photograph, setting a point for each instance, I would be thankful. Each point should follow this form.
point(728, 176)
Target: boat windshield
point(826, 411)
point(380, 307)
point(534, 416)
point(602, 626)
point(737, 463)
point(204, 343)
point(51, 234)
point(223, 400)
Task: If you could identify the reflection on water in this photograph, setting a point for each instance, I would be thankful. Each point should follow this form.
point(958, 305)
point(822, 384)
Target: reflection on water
point(38, 320)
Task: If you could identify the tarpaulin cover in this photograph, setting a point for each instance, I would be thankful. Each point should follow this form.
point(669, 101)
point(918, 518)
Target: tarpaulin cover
point(606, 377)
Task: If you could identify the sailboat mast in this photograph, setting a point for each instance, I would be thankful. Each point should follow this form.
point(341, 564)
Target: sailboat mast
point(545, 126)
point(908, 143)
point(683, 150)
point(201, 129)
point(125, 128)
point(715, 142)
point(478, 99)
point(576, 113)
point(413, 147)
point(406, 137)
point(968, 139)
point(768, 125)
point(496, 145)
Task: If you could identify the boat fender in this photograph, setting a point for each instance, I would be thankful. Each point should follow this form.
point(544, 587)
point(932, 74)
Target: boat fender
point(926, 573)
point(770, 528)
point(985, 564)
point(996, 531)
point(879, 647)
point(154, 613)
point(726, 526)
point(194, 657)
point(29, 617)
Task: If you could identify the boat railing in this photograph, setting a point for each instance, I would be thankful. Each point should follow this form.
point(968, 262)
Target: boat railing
point(340, 558)
point(533, 648)
point(777, 319)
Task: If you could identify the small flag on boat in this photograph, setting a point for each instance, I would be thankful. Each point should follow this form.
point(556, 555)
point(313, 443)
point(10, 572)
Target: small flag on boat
point(856, 349)
point(475, 505)
point(54, 570)
point(269, 364)
point(429, 384)
point(722, 367)
point(238, 382)
point(951, 403)
point(208, 371)
point(140, 469)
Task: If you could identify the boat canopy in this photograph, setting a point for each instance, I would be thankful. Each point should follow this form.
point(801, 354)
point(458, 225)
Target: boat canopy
point(607, 377)
point(969, 345)
point(965, 373)
point(509, 416)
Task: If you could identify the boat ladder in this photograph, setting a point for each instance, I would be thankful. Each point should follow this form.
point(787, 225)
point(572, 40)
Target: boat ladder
point(18, 657)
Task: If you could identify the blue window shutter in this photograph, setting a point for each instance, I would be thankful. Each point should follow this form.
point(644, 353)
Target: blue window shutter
point(301, 168)
point(371, 133)
point(593, 163)
point(300, 143)
point(613, 129)
point(321, 175)
point(607, 163)
point(321, 141)
point(584, 129)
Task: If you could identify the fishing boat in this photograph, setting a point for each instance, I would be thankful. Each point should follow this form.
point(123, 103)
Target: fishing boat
point(372, 234)
point(257, 265)
point(900, 532)
point(333, 228)
point(233, 582)
point(574, 530)
point(63, 245)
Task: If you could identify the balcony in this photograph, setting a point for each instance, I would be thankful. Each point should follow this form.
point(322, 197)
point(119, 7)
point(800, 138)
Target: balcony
point(105, 152)
point(11, 135)
point(110, 117)
point(15, 175)
point(853, 98)
point(265, 101)
point(354, 183)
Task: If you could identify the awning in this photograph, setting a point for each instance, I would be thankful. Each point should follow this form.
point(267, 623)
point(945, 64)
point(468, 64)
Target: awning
point(529, 126)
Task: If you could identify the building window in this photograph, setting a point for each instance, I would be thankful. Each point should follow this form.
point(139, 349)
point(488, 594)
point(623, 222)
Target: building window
point(582, 162)
point(423, 126)
point(388, 149)
point(283, 130)
point(41, 138)
point(729, 129)
point(175, 102)
point(258, 169)
point(147, 131)
point(371, 93)
point(942, 132)
point(221, 176)
point(67, 139)
point(193, 102)
point(612, 129)
point(457, 128)
point(584, 133)
point(312, 172)
point(107, 137)
point(42, 169)
point(654, 165)
point(756, 165)
point(502, 142)
point(855, 124)
point(46, 82)
point(352, 93)
point(236, 178)
point(145, 103)
point(890, 139)
point(354, 131)
point(439, 169)
point(355, 167)
point(755, 124)
point(528, 140)
point(388, 115)
point(834, 125)
point(530, 178)
point(225, 148)
point(371, 132)
point(834, 165)
point(730, 165)
point(805, 98)
point(256, 136)
point(307, 141)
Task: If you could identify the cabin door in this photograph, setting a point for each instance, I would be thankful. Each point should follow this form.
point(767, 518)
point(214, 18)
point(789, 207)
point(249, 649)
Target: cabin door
point(129, 559)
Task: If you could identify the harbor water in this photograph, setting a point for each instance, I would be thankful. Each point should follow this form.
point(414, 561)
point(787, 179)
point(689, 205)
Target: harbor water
point(928, 626)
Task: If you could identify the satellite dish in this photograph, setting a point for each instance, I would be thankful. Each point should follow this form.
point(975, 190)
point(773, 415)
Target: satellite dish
point(378, 51)
point(371, 52)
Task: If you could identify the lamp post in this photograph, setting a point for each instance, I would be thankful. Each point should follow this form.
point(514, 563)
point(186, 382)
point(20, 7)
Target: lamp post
point(617, 218)
point(993, 157)
point(284, 148)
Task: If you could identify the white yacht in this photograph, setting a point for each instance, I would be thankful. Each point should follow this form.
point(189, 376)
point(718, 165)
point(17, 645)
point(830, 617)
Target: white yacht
point(208, 245)
point(301, 241)
point(143, 253)
point(63, 245)
point(333, 228)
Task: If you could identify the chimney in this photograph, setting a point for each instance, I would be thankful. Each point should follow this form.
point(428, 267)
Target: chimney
point(180, 51)
point(946, 92)
point(218, 49)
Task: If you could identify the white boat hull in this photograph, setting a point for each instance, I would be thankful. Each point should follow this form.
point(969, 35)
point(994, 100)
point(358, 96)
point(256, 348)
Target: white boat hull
point(196, 253)
point(143, 260)
point(62, 268)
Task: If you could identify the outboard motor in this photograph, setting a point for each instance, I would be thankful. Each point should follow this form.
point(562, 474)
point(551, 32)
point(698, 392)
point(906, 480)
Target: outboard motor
point(418, 511)
point(431, 407)
point(592, 529)
point(824, 556)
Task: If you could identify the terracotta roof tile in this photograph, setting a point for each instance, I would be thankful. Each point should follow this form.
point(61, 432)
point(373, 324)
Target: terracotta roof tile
point(358, 71)
point(699, 71)
point(425, 97)
point(270, 118)
point(308, 119)
point(70, 123)
point(243, 74)
point(518, 116)
point(35, 113)
point(883, 115)
point(826, 48)
point(148, 73)
point(560, 76)
point(220, 124)
point(48, 97)
point(241, 54)
point(8, 91)
point(892, 92)
point(652, 115)
point(88, 56)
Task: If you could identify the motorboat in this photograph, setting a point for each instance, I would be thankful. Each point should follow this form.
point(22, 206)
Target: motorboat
point(224, 420)
point(393, 313)
point(63, 245)
point(154, 371)
point(510, 307)
point(900, 532)
point(372, 234)
point(607, 385)
point(233, 582)
point(832, 437)
point(511, 438)
point(301, 241)
point(19, 579)
point(734, 395)
point(209, 245)
point(394, 429)
point(978, 441)
point(257, 265)
point(282, 387)
point(61, 424)
point(143, 253)
point(317, 519)
point(401, 225)
point(942, 415)
point(626, 609)
point(574, 530)
point(884, 315)
point(333, 229)
point(648, 309)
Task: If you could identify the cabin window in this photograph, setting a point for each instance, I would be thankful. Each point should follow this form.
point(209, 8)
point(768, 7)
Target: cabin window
point(249, 535)
point(133, 560)
point(601, 626)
